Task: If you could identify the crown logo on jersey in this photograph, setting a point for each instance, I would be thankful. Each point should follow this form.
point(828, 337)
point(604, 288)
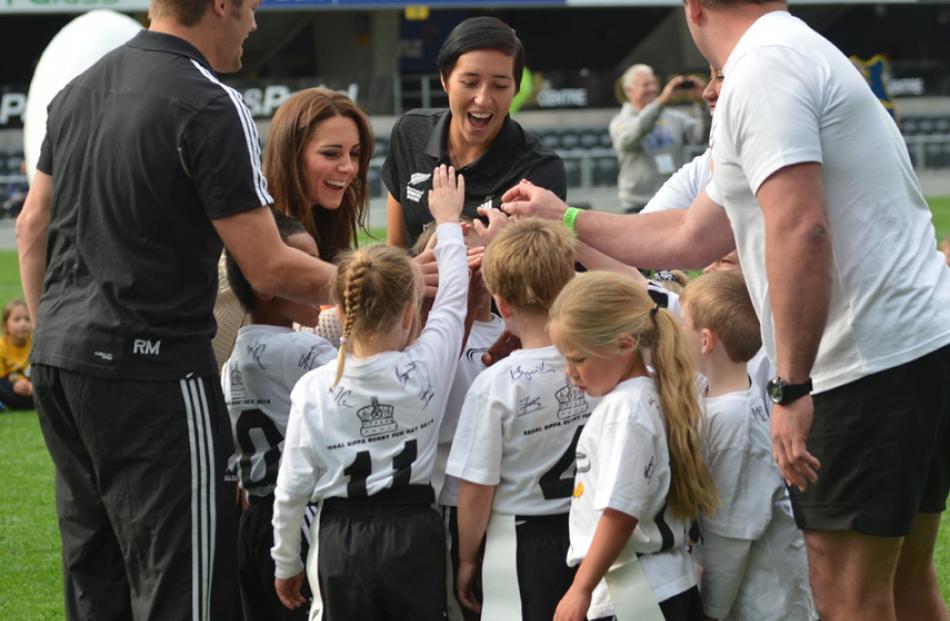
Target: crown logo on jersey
point(376, 419)
point(238, 390)
point(570, 401)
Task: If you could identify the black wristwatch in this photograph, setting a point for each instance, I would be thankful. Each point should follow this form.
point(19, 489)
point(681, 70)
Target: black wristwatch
point(783, 393)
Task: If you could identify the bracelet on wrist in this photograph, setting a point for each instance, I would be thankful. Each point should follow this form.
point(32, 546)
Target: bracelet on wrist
point(570, 219)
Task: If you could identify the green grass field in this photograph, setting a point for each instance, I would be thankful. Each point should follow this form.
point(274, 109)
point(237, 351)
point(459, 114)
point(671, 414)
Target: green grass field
point(30, 575)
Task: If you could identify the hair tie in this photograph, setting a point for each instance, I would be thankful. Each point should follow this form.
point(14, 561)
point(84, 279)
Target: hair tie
point(344, 340)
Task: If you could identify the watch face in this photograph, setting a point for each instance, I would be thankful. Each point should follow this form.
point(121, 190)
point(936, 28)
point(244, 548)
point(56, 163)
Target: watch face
point(775, 390)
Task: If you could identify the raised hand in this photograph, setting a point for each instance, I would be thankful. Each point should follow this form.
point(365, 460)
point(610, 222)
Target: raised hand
point(447, 196)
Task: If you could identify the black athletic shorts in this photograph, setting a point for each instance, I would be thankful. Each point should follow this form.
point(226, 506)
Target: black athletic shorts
point(541, 556)
point(884, 446)
point(255, 566)
point(382, 558)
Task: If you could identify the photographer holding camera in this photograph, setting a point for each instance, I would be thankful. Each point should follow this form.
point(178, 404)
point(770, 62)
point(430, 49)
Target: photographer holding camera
point(648, 136)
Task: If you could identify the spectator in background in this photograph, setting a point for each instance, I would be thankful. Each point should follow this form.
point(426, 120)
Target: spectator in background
point(648, 136)
point(686, 184)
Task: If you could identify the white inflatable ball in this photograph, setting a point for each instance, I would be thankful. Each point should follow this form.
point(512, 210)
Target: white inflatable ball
point(74, 49)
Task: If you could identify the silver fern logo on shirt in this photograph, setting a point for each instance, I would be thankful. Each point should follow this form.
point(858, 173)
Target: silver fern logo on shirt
point(415, 194)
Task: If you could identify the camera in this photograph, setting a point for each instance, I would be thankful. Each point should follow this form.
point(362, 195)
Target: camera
point(686, 85)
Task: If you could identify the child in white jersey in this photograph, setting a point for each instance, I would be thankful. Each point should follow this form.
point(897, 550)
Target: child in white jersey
point(514, 447)
point(640, 475)
point(754, 563)
point(485, 328)
point(268, 359)
point(362, 436)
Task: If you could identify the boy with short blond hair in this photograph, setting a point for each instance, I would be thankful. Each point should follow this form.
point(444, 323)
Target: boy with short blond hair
point(514, 447)
point(754, 563)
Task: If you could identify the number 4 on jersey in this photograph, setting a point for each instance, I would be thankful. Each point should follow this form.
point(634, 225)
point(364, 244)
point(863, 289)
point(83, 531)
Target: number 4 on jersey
point(553, 484)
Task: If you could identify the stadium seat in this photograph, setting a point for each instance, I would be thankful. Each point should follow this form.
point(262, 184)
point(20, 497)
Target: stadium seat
point(605, 171)
point(572, 168)
point(570, 139)
point(590, 138)
point(550, 139)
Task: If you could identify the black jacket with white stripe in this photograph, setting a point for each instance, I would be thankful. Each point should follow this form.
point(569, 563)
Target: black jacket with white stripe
point(145, 149)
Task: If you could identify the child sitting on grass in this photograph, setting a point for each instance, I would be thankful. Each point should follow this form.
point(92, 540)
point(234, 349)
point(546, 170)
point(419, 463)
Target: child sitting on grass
point(16, 389)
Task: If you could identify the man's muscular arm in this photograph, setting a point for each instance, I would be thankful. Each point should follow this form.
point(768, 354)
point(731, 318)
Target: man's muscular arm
point(682, 239)
point(798, 263)
point(272, 267)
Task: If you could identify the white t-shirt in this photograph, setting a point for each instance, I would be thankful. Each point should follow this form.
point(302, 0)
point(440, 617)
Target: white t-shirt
point(518, 431)
point(791, 97)
point(755, 566)
point(256, 380)
point(378, 427)
point(623, 463)
point(684, 186)
point(761, 371)
point(482, 336)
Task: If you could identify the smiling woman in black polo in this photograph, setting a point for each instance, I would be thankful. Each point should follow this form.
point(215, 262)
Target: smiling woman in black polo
point(480, 64)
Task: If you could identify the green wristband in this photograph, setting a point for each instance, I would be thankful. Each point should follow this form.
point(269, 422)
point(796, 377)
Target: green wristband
point(570, 217)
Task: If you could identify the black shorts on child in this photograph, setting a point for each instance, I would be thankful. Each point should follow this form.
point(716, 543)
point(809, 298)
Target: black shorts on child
point(543, 574)
point(259, 600)
point(382, 558)
point(884, 446)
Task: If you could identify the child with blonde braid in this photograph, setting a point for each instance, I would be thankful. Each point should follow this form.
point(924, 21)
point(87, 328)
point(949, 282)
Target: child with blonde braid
point(362, 436)
point(640, 478)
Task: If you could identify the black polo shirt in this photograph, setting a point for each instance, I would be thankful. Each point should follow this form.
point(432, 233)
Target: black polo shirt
point(419, 142)
point(145, 149)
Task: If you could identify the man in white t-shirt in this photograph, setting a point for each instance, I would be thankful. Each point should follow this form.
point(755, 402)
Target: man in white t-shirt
point(811, 171)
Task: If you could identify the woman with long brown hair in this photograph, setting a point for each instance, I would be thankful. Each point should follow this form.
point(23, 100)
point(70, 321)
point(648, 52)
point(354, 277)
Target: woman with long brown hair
point(316, 160)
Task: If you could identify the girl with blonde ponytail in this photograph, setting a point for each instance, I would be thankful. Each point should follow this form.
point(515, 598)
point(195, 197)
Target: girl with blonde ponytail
point(362, 435)
point(639, 461)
